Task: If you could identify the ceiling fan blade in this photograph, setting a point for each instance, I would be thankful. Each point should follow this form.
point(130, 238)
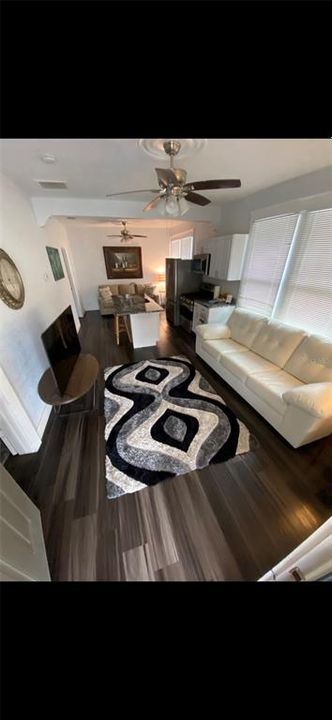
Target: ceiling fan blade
point(113, 235)
point(212, 184)
point(166, 177)
point(197, 199)
point(151, 204)
point(144, 236)
point(129, 192)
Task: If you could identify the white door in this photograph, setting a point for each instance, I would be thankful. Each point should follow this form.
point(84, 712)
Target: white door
point(16, 428)
point(22, 548)
point(75, 294)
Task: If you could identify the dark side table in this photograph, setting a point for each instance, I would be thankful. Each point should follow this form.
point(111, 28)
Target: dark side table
point(82, 379)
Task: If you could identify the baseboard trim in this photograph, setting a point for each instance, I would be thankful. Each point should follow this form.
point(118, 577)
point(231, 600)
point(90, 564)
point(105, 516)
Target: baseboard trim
point(43, 420)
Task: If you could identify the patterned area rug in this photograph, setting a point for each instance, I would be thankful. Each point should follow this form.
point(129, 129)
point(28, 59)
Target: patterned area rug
point(164, 419)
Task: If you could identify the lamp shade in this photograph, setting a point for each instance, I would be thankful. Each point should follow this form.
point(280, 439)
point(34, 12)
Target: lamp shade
point(172, 207)
point(161, 277)
point(183, 205)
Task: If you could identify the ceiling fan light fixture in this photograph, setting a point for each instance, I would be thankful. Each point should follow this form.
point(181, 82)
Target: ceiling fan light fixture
point(162, 206)
point(172, 207)
point(183, 205)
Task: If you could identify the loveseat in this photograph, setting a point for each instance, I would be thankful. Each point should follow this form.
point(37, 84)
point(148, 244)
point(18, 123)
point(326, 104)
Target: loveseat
point(284, 372)
point(106, 292)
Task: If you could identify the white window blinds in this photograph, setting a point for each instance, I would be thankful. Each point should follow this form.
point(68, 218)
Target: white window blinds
point(306, 295)
point(268, 247)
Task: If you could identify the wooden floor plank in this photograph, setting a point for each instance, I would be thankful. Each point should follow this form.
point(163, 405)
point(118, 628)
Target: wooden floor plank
point(225, 522)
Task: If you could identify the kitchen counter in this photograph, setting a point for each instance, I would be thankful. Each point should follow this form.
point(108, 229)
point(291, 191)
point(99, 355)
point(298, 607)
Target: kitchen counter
point(206, 311)
point(144, 318)
point(134, 305)
point(213, 303)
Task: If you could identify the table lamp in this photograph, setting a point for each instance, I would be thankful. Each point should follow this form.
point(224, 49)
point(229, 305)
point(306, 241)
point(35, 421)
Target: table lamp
point(161, 280)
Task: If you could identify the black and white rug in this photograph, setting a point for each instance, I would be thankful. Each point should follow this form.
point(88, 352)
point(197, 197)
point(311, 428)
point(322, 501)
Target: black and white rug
point(164, 419)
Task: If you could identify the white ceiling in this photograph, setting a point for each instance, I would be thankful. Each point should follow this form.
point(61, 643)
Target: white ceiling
point(93, 168)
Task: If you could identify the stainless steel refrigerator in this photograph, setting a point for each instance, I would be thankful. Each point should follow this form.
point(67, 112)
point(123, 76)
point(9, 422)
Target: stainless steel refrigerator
point(181, 277)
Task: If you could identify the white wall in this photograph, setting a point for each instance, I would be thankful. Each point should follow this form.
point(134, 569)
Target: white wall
point(87, 243)
point(22, 356)
point(235, 216)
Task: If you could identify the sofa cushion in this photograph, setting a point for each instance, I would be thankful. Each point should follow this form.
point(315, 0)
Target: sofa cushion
point(127, 289)
point(276, 342)
point(245, 325)
point(149, 289)
point(213, 331)
point(113, 288)
point(270, 386)
point(312, 360)
point(140, 289)
point(243, 364)
point(216, 348)
point(314, 398)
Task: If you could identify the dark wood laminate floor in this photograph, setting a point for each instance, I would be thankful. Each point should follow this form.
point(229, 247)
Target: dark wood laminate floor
point(231, 521)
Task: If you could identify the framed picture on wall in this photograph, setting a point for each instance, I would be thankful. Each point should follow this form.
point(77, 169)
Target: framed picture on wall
point(123, 262)
point(55, 263)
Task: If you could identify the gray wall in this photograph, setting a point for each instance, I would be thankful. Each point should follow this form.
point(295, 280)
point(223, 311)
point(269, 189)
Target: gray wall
point(235, 216)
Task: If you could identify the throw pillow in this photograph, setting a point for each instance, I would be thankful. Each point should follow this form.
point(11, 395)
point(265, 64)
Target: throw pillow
point(106, 293)
point(149, 290)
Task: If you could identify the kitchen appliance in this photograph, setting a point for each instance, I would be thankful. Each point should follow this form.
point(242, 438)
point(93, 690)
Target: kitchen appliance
point(180, 279)
point(207, 292)
point(202, 263)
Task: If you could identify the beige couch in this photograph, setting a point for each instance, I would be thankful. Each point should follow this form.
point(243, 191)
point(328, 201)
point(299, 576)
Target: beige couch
point(282, 371)
point(106, 292)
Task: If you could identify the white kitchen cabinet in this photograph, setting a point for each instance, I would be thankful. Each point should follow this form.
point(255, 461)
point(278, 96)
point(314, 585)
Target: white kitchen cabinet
point(182, 247)
point(227, 256)
point(203, 314)
point(175, 249)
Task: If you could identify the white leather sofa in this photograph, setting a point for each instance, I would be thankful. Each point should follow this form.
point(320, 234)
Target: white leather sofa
point(282, 371)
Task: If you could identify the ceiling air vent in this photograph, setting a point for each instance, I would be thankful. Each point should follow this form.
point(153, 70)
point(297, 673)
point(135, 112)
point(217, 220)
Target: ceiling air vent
point(52, 184)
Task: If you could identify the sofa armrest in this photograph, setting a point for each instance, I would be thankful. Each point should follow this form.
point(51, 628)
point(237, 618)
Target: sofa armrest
point(213, 331)
point(314, 398)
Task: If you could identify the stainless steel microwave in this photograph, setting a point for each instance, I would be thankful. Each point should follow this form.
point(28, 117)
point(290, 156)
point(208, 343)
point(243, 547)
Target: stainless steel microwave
point(202, 263)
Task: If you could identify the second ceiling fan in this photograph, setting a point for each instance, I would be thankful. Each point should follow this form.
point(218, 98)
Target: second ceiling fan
point(125, 234)
point(175, 191)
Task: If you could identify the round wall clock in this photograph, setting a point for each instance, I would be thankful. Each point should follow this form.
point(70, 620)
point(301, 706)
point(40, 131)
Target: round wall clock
point(11, 283)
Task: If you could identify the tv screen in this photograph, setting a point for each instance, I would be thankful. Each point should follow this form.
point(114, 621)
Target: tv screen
point(62, 347)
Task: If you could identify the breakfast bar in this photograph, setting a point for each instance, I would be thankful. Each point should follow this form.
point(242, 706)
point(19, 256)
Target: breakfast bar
point(142, 314)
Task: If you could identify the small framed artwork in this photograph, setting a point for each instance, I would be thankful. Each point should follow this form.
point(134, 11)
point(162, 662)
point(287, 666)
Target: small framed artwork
point(55, 263)
point(123, 262)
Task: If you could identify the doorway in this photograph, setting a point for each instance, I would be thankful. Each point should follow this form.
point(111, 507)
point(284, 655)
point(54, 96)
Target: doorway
point(75, 293)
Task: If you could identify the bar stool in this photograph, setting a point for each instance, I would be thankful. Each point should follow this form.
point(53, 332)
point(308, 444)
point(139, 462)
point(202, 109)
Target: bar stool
point(122, 324)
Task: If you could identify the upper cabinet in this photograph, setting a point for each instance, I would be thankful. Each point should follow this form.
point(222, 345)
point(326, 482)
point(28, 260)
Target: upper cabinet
point(227, 256)
point(182, 247)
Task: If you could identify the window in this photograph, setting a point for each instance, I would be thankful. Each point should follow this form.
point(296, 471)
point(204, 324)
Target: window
point(268, 247)
point(288, 270)
point(305, 297)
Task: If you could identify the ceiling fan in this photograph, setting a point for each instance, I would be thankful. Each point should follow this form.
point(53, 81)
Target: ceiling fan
point(125, 234)
point(174, 192)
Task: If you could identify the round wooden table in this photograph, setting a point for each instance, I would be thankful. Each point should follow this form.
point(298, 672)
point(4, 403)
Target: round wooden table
point(82, 379)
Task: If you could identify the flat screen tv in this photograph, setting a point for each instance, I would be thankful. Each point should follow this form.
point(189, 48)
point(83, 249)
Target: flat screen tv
point(62, 347)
